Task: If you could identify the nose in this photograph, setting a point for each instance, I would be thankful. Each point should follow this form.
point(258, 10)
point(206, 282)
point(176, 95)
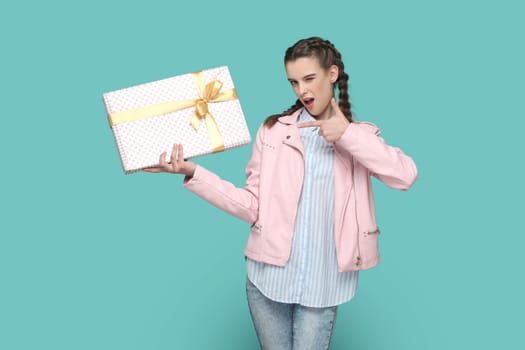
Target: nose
point(301, 89)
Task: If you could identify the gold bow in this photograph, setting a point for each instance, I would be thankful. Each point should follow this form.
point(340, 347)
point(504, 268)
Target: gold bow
point(209, 93)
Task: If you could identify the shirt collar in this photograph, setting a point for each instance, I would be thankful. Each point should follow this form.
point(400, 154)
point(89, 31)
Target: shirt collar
point(304, 117)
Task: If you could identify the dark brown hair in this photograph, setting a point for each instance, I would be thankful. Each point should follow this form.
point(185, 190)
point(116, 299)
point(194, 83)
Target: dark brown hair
point(327, 55)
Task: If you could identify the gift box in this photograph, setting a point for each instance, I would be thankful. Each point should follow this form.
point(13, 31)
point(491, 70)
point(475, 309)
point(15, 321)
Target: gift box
point(199, 110)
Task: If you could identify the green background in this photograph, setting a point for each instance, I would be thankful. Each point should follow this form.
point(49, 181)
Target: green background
point(93, 259)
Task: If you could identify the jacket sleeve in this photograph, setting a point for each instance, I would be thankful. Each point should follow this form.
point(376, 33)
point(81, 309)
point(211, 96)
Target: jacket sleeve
point(239, 202)
point(389, 164)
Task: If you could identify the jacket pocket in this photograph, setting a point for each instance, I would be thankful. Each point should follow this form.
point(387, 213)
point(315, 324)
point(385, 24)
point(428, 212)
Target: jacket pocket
point(369, 245)
point(374, 231)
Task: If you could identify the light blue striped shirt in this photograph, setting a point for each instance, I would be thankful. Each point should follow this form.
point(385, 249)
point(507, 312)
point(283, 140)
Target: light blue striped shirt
point(310, 277)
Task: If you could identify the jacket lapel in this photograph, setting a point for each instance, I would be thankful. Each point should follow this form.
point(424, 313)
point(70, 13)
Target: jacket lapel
point(291, 137)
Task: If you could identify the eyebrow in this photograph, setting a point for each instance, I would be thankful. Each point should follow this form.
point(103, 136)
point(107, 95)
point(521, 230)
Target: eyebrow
point(305, 77)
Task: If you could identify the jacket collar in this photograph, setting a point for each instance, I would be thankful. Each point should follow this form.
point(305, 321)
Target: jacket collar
point(291, 118)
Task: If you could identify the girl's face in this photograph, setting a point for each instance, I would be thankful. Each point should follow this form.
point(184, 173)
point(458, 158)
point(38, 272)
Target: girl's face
point(313, 85)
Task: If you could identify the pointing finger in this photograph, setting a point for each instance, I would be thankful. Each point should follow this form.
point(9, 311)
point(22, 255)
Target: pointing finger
point(310, 124)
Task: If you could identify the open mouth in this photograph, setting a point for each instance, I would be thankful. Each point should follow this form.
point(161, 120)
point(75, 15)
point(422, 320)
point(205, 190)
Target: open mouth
point(308, 102)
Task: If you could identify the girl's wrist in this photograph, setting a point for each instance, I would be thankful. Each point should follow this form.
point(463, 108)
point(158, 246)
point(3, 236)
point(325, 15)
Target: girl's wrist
point(190, 170)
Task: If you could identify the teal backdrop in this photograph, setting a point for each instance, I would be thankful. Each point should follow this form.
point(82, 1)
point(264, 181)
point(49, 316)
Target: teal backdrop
point(91, 258)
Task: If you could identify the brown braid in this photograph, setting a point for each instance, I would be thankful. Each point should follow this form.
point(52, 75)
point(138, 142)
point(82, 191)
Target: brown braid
point(327, 55)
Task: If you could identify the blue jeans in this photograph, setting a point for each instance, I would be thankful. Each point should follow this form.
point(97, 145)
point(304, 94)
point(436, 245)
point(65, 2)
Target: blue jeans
point(281, 326)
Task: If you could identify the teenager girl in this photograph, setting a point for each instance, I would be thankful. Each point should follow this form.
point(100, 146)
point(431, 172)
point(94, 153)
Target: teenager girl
point(308, 197)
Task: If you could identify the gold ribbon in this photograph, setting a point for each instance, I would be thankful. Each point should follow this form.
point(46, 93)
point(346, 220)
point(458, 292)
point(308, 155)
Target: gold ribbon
point(209, 93)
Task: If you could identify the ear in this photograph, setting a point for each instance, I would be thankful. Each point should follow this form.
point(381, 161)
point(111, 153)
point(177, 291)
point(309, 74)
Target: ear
point(333, 73)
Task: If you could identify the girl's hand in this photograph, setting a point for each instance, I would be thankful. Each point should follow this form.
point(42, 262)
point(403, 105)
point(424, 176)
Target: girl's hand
point(177, 165)
point(332, 128)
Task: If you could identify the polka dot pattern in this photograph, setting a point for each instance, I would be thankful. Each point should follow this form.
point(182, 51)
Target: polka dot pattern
point(141, 142)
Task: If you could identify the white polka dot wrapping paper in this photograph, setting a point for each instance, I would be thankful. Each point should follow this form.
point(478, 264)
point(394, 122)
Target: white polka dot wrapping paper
point(141, 140)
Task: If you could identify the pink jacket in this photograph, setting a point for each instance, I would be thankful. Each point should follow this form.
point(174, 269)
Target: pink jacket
point(274, 179)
